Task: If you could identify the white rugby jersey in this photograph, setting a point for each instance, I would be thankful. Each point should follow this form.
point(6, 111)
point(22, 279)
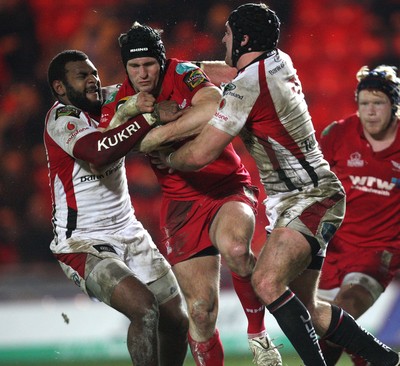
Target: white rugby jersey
point(84, 202)
point(265, 105)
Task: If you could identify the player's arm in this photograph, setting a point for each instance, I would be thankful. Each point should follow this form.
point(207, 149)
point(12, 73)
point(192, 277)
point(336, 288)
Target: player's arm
point(204, 105)
point(218, 71)
point(102, 148)
point(132, 106)
point(197, 153)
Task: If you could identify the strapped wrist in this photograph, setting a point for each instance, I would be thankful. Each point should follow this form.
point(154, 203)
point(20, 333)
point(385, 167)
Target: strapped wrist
point(169, 159)
point(156, 113)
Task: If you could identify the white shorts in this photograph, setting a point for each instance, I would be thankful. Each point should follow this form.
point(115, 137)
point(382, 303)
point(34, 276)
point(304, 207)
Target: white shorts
point(354, 278)
point(84, 258)
point(317, 212)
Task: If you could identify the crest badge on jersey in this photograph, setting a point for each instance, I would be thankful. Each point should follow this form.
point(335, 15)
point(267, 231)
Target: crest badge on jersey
point(68, 111)
point(355, 160)
point(194, 78)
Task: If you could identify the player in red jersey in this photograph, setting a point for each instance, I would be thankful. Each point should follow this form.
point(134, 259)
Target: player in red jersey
point(99, 243)
point(204, 214)
point(364, 152)
point(306, 201)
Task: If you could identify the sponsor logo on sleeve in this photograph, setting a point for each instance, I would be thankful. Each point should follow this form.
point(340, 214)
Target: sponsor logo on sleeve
point(194, 78)
point(110, 141)
point(277, 68)
point(221, 116)
point(228, 90)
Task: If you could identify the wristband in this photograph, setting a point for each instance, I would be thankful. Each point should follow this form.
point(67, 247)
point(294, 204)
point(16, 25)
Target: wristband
point(156, 114)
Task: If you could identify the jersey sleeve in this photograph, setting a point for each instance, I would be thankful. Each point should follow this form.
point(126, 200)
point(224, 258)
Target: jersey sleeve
point(235, 106)
point(328, 141)
point(108, 109)
point(67, 125)
point(188, 79)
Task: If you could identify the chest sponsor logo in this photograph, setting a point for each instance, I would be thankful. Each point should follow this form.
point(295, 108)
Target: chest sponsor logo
point(396, 182)
point(355, 160)
point(221, 116)
point(95, 177)
point(372, 185)
point(74, 133)
point(71, 126)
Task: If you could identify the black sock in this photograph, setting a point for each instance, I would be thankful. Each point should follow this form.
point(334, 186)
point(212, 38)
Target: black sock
point(331, 352)
point(345, 332)
point(295, 321)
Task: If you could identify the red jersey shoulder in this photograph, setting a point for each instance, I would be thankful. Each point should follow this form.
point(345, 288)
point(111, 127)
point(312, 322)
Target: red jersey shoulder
point(192, 75)
point(67, 111)
point(327, 129)
point(343, 126)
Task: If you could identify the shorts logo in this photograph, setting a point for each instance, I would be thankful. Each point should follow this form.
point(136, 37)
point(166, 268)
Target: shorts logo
point(355, 160)
point(104, 248)
point(194, 78)
point(76, 279)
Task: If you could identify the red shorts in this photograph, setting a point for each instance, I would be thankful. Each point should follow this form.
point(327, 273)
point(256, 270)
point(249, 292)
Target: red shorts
point(381, 263)
point(185, 224)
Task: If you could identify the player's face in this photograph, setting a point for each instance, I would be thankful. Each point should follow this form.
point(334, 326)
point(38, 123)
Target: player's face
point(144, 73)
point(82, 86)
point(375, 112)
point(227, 40)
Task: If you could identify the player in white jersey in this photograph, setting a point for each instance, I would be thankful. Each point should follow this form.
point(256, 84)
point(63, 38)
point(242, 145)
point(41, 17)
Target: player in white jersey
point(306, 201)
point(98, 241)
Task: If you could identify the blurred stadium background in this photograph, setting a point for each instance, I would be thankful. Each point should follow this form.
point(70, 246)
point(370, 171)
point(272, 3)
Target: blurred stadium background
point(43, 317)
